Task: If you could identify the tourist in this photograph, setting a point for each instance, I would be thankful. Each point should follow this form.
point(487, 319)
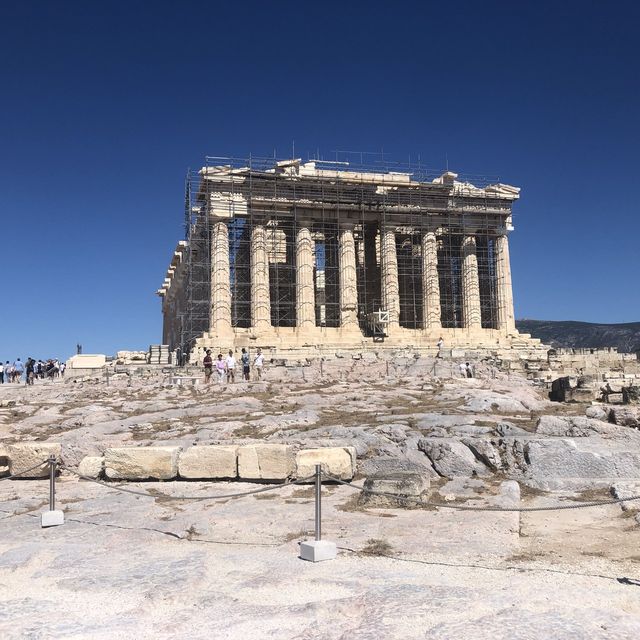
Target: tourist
point(63, 366)
point(469, 370)
point(1, 373)
point(246, 369)
point(207, 362)
point(220, 368)
point(30, 370)
point(258, 363)
point(440, 344)
point(230, 362)
point(463, 369)
point(8, 372)
point(18, 369)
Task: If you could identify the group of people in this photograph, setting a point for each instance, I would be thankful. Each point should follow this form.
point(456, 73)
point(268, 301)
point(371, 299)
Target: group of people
point(466, 370)
point(31, 369)
point(226, 367)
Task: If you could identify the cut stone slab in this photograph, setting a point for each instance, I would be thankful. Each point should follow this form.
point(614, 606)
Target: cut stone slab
point(265, 462)
point(209, 462)
point(336, 461)
point(141, 463)
point(403, 484)
point(27, 454)
point(91, 466)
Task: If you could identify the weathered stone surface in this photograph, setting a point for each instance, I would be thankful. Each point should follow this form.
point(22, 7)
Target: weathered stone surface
point(411, 485)
point(579, 427)
point(485, 452)
point(91, 466)
point(265, 462)
point(337, 461)
point(26, 454)
point(214, 461)
point(624, 490)
point(626, 416)
point(564, 458)
point(451, 458)
point(141, 463)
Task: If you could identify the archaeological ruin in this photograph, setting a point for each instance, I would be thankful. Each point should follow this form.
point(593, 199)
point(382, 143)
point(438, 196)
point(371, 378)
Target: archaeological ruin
point(303, 257)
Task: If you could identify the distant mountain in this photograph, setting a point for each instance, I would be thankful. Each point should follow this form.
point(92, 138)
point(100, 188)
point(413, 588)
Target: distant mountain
point(571, 334)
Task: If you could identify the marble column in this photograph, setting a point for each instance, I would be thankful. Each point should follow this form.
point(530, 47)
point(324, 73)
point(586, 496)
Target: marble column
point(506, 315)
point(389, 276)
point(471, 314)
point(220, 316)
point(305, 290)
point(430, 282)
point(348, 281)
point(260, 293)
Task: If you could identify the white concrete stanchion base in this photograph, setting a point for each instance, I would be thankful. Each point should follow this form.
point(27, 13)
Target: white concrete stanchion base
point(51, 518)
point(318, 550)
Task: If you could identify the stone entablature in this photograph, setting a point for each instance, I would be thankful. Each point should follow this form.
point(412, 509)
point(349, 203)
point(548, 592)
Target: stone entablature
point(300, 254)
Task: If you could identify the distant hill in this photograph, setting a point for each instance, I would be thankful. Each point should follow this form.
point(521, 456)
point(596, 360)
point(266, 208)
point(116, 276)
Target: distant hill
point(571, 334)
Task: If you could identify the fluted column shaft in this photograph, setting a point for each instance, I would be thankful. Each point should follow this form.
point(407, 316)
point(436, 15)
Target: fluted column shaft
point(430, 282)
point(471, 313)
point(348, 280)
point(305, 291)
point(389, 276)
point(220, 315)
point(260, 292)
point(506, 315)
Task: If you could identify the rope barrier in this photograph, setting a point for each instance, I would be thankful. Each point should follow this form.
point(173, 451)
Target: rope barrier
point(21, 473)
point(164, 496)
point(463, 507)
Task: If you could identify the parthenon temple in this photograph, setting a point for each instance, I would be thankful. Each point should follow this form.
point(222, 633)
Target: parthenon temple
point(305, 256)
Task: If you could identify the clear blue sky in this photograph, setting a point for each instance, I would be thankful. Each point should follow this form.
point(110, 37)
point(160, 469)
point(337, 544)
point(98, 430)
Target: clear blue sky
point(103, 106)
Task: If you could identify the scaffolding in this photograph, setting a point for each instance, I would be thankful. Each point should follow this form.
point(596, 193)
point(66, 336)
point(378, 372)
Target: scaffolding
point(370, 195)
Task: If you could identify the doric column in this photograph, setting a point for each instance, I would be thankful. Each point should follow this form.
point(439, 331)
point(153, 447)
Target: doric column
point(305, 291)
point(506, 315)
point(220, 316)
point(470, 285)
point(389, 276)
point(348, 282)
point(260, 294)
point(430, 282)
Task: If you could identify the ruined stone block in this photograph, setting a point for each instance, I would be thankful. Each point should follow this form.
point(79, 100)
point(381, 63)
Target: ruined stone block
point(141, 463)
point(91, 466)
point(265, 462)
point(336, 461)
point(212, 461)
point(27, 454)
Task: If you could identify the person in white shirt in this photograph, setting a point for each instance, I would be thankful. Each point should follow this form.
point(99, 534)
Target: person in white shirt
point(463, 369)
point(230, 363)
point(440, 344)
point(258, 363)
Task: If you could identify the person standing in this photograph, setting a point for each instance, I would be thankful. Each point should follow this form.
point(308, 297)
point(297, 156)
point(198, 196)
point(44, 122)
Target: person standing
point(30, 370)
point(8, 372)
point(246, 369)
point(469, 370)
point(463, 369)
point(258, 363)
point(440, 344)
point(230, 362)
point(207, 362)
point(1, 373)
point(220, 368)
point(18, 369)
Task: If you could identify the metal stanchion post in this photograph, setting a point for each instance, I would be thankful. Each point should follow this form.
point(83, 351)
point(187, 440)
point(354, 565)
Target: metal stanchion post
point(318, 501)
point(318, 549)
point(52, 518)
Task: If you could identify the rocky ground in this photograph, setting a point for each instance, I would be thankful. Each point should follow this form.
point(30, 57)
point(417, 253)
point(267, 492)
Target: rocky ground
point(127, 566)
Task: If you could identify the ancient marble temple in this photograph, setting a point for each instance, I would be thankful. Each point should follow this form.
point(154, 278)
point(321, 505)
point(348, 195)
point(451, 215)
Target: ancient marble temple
point(315, 255)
